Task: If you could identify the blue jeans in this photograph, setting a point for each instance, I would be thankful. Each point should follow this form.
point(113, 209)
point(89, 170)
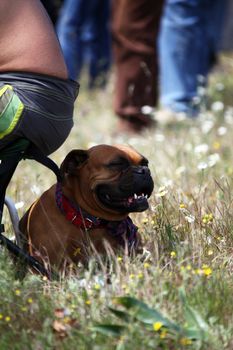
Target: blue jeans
point(189, 36)
point(83, 32)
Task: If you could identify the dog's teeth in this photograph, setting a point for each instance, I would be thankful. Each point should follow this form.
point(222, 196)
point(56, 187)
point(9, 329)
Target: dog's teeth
point(108, 197)
point(135, 196)
point(146, 196)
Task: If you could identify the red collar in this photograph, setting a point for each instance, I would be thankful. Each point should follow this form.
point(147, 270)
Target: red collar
point(74, 213)
point(124, 230)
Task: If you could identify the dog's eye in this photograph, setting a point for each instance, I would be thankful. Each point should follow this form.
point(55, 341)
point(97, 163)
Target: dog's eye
point(120, 164)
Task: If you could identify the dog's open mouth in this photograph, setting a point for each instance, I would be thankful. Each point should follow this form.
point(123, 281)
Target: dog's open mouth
point(135, 202)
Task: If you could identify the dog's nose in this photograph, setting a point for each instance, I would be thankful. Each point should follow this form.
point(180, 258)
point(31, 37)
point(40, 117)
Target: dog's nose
point(142, 170)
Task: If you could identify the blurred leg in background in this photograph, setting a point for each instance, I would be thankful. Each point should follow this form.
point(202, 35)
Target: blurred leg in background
point(83, 32)
point(135, 26)
point(190, 32)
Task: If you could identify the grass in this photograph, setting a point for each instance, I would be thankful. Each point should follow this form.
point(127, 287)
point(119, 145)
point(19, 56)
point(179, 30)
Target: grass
point(178, 293)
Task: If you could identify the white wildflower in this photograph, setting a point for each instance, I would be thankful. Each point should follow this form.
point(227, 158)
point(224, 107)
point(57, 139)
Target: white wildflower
point(210, 162)
point(202, 166)
point(228, 115)
point(35, 189)
point(159, 137)
point(190, 218)
point(19, 205)
point(201, 149)
point(222, 130)
point(207, 125)
point(213, 159)
point(217, 106)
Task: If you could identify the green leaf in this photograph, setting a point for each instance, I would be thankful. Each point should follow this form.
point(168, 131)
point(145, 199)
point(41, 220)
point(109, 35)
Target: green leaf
point(143, 313)
point(120, 314)
point(109, 329)
point(194, 334)
point(129, 302)
point(193, 318)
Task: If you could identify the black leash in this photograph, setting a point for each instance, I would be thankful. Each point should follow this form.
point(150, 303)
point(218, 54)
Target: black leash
point(32, 262)
point(9, 166)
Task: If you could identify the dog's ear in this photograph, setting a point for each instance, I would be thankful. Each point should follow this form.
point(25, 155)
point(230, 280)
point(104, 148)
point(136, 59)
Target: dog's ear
point(72, 161)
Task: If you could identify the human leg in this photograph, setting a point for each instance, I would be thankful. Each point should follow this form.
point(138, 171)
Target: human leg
point(184, 51)
point(69, 30)
point(100, 57)
point(135, 27)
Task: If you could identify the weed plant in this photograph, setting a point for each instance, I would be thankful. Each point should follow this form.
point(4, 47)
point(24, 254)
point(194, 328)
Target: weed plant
point(178, 293)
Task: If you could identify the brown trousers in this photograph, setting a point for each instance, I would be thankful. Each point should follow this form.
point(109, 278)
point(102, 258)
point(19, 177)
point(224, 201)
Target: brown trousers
point(135, 26)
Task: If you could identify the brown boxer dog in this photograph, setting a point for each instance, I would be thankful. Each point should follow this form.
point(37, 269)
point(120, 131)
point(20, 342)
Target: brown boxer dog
point(90, 207)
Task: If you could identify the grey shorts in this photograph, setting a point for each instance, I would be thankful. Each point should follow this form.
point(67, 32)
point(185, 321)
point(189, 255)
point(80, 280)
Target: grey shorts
point(36, 107)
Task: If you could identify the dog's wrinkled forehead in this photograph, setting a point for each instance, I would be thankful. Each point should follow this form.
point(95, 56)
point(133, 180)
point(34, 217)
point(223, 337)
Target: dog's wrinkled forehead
point(103, 154)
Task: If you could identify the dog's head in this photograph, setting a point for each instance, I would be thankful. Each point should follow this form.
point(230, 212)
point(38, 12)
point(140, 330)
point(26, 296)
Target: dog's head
point(108, 181)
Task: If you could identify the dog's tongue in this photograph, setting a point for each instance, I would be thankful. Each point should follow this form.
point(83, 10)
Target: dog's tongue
point(130, 200)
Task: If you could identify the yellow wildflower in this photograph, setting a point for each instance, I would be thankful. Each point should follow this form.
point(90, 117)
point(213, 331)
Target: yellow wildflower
point(1, 316)
point(207, 218)
point(163, 334)
point(97, 287)
point(185, 341)
point(30, 301)
point(182, 206)
point(132, 275)
point(77, 251)
point(173, 254)
point(157, 326)
point(216, 145)
point(210, 252)
point(146, 265)
point(119, 258)
point(7, 318)
point(88, 302)
point(145, 221)
point(162, 192)
point(140, 275)
point(17, 292)
point(207, 271)
point(66, 320)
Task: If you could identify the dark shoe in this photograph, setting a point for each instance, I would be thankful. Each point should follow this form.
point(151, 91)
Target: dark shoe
point(135, 124)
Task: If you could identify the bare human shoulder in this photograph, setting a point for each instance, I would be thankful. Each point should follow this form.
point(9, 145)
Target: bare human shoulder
point(28, 41)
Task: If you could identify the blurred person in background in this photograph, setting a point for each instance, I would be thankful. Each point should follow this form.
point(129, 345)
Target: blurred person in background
point(135, 26)
point(83, 32)
point(188, 46)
